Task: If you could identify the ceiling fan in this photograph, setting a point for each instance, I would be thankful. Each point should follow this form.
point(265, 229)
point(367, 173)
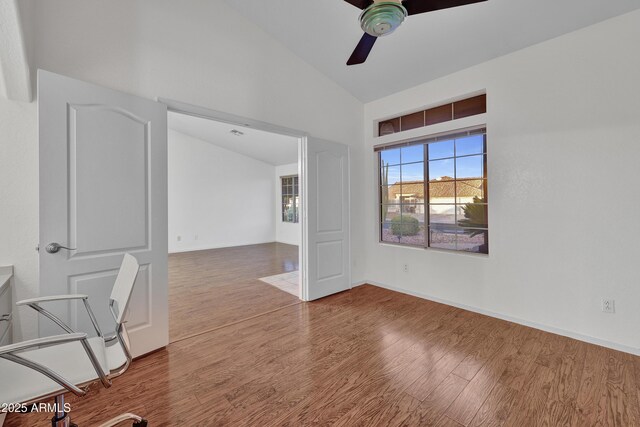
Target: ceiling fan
point(380, 18)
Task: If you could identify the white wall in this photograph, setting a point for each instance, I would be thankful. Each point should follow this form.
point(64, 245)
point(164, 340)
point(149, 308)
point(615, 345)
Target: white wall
point(196, 51)
point(563, 126)
point(217, 198)
point(19, 199)
point(286, 232)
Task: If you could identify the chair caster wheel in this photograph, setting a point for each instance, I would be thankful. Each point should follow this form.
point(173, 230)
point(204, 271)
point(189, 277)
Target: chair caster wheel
point(141, 423)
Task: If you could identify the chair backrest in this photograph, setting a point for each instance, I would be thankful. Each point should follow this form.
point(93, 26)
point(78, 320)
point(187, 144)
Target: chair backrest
point(123, 287)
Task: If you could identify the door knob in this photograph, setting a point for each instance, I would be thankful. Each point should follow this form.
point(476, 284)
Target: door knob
point(54, 248)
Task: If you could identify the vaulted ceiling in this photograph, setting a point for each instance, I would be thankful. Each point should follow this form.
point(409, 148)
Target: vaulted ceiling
point(267, 147)
point(426, 46)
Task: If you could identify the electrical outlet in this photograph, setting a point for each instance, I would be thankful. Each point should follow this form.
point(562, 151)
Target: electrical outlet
point(406, 268)
point(179, 238)
point(608, 306)
point(195, 237)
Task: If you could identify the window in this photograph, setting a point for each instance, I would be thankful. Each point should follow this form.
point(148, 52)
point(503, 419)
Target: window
point(290, 198)
point(433, 193)
point(442, 113)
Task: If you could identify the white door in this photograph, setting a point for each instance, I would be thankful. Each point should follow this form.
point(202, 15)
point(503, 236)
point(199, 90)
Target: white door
point(326, 244)
point(103, 192)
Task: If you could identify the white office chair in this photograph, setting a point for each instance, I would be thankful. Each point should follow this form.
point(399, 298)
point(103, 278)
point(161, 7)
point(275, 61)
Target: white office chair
point(33, 370)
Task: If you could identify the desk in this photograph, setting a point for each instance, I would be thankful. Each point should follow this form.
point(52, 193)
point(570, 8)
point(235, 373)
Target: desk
point(6, 305)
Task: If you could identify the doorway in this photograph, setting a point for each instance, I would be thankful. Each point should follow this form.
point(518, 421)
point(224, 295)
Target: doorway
point(234, 223)
point(103, 193)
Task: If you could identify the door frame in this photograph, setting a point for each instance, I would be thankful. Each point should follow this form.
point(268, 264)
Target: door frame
point(210, 114)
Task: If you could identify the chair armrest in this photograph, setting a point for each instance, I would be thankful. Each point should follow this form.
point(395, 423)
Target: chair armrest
point(8, 352)
point(38, 342)
point(51, 298)
point(35, 304)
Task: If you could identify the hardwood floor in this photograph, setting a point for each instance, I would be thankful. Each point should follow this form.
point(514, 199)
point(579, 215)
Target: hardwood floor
point(212, 288)
point(371, 357)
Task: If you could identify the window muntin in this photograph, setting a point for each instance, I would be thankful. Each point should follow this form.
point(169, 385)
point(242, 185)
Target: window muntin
point(448, 209)
point(290, 198)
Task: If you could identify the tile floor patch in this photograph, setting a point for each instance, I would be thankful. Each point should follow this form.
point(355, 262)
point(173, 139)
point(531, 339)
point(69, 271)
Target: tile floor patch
point(287, 282)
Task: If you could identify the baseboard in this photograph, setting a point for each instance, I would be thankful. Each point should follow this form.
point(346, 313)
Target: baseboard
point(535, 325)
point(207, 247)
point(287, 243)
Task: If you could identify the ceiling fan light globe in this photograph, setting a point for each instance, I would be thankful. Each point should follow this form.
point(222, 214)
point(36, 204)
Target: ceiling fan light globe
point(382, 18)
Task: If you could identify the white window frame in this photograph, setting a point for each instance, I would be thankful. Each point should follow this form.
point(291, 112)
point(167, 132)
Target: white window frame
point(466, 124)
point(297, 208)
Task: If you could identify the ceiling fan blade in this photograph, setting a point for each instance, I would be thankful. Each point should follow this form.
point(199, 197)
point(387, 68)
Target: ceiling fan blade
point(421, 6)
point(361, 51)
point(360, 4)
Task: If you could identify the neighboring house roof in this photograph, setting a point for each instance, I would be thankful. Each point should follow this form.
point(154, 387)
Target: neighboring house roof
point(441, 189)
point(415, 188)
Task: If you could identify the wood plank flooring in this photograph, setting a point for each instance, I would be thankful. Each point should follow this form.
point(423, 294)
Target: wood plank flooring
point(212, 288)
point(371, 357)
